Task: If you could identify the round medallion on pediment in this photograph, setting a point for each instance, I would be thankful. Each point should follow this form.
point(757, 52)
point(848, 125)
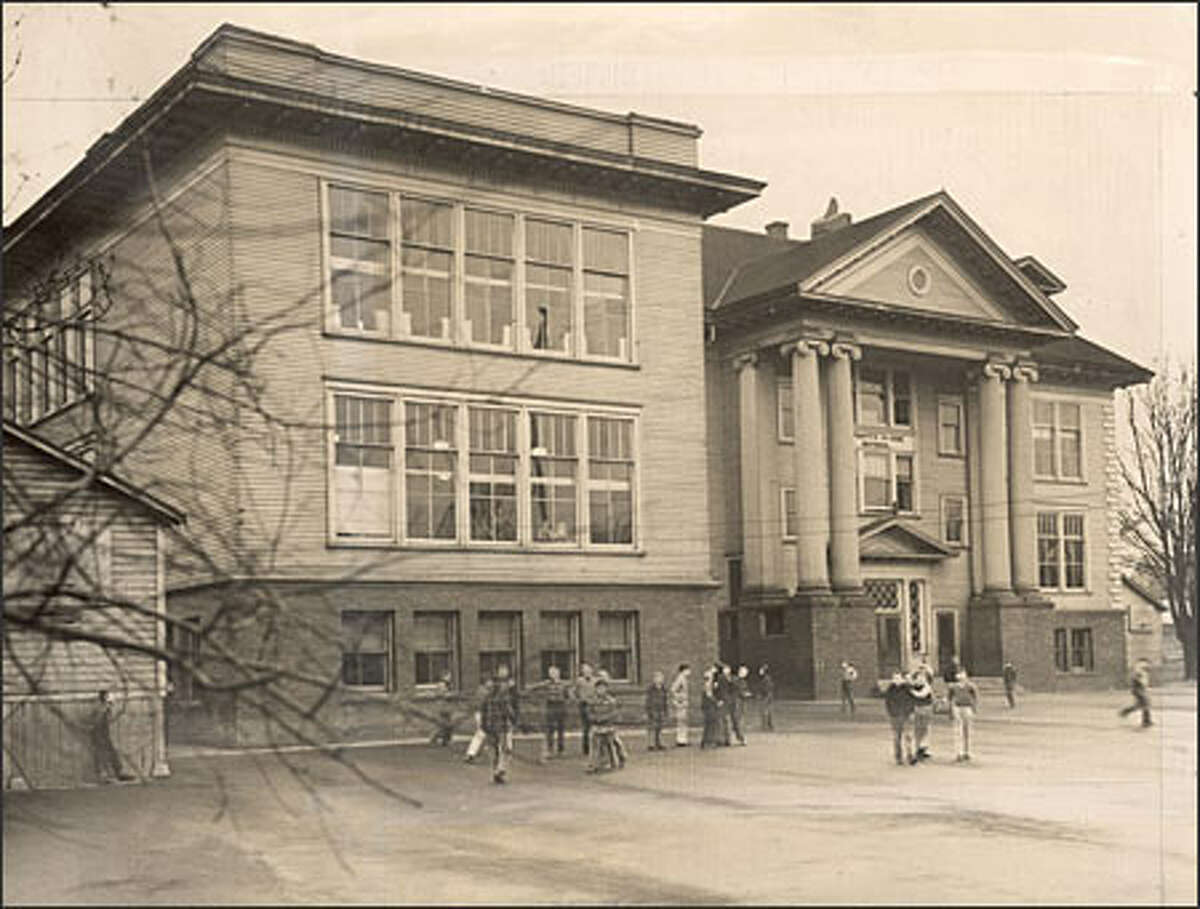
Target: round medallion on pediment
point(919, 280)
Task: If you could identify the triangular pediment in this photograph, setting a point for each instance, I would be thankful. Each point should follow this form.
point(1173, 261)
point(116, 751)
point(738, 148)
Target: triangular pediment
point(891, 539)
point(913, 272)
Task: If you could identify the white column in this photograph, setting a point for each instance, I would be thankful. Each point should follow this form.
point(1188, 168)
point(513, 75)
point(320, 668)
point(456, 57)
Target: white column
point(993, 456)
point(1020, 478)
point(753, 527)
point(843, 497)
point(812, 497)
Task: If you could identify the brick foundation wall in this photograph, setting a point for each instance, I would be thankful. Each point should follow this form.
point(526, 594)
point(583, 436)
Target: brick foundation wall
point(674, 625)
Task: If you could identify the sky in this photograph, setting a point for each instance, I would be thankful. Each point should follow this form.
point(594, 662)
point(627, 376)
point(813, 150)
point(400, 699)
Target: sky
point(1067, 132)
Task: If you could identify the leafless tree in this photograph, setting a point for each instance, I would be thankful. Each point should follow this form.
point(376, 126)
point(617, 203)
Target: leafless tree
point(171, 356)
point(1160, 479)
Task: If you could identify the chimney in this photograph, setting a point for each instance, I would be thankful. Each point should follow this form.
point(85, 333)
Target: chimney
point(777, 230)
point(830, 221)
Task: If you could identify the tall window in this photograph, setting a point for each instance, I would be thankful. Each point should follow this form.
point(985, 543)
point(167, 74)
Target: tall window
point(489, 277)
point(554, 470)
point(435, 647)
point(618, 645)
point(785, 418)
point(549, 265)
point(499, 643)
point(950, 427)
point(360, 255)
point(606, 293)
point(787, 505)
point(954, 519)
point(560, 642)
point(904, 482)
point(610, 479)
point(1057, 440)
point(430, 457)
point(427, 232)
point(1073, 650)
point(363, 465)
point(493, 481)
point(770, 622)
point(366, 649)
point(1061, 550)
point(884, 397)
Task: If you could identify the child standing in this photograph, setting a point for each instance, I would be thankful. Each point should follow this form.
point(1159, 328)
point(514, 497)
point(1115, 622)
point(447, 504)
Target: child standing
point(555, 715)
point(497, 717)
point(899, 704)
point(679, 704)
point(656, 712)
point(603, 715)
point(849, 676)
point(922, 695)
point(708, 707)
point(445, 715)
point(1009, 672)
point(963, 699)
point(766, 692)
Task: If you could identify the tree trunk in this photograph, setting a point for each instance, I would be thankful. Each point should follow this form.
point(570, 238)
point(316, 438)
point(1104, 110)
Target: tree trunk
point(1185, 631)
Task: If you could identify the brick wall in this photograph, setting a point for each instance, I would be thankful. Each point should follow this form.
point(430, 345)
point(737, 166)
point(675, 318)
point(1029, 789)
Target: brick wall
point(1108, 643)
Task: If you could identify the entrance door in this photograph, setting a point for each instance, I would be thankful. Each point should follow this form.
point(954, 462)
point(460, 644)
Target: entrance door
point(947, 640)
point(888, 641)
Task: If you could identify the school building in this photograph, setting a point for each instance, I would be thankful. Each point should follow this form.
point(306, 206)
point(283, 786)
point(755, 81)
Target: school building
point(513, 402)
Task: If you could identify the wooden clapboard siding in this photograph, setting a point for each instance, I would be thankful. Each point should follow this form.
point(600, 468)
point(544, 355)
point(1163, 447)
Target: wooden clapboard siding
point(277, 251)
point(298, 67)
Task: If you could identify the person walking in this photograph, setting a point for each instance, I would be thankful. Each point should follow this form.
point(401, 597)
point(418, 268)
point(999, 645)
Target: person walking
point(679, 704)
point(922, 695)
point(585, 690)
point(741, 694)
point(656, 712)
point(554, 721)
point(898, 702)
point(964, 698)
point(1009, 673)
point(476, 744)
point(766, 693)
point(108, 761)
point(849, 677)
point(497, 719)
point(1139, 687)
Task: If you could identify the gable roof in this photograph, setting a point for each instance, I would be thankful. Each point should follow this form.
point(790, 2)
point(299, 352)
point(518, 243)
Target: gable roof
point(165, 512)
point(805, 265)
point(890, 538)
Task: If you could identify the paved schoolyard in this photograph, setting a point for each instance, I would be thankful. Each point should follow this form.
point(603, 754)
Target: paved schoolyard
point(1065, 803)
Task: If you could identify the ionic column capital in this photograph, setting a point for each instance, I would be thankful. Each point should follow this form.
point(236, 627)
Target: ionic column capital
point(845, 350)
point(1024, 372)
point(743, 360)
point(995, 370)
point(805, 347)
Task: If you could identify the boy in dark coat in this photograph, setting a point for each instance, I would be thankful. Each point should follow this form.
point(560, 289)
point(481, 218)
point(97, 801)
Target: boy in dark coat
point(603, 714)
point(497, 718)
point(766, 693)
point(656, 712)
point(899, 703)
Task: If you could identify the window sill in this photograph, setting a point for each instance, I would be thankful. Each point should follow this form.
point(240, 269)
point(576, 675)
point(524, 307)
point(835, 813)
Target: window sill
point(449, 344)
point(1061, 481)
point(475, 549)
point(365, 695)
point(1063, 592)
point(955, 455)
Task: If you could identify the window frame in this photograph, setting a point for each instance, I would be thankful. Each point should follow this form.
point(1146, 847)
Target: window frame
point(784, 414)
point(1066, 649)
point(943, 517)
point(1060, 551)
point(790, 529)
point(517, 642)
point(462, 404)
point(1058, 433)
point(454, 651)
point(889, 399)
point(609, 485)
point(765, 625)
point(574, 632)
point(956, 403)
point(388, 654)
point(632, 649)
point(893, 455)
point(456, 334)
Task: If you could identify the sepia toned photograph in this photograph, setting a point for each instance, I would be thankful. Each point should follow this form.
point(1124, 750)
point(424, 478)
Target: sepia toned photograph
point(596, 454)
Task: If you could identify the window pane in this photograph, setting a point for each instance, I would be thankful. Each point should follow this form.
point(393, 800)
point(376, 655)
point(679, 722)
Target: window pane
point(1068, 416)
point(548, 307)
point(789, 513)
point(548, 242)
point(1047, 549)
point(1060, 650)
point(877, 491)
point(1070, 459)
point(493, 463)
point(606, 316)
point(497, 631)
point(885, 594)
point(358, 213)
point(872, 396)
point(489, 233)
point(953, 512)
point(787, 427)
point(901, 399)
point(1043, 452)
point(426, 223)
point(605, 250)
point(430, 463)
point(949, 429)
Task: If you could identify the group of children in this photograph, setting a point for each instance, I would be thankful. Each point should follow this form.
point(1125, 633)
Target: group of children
point(723, 703)
point(909, 702)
